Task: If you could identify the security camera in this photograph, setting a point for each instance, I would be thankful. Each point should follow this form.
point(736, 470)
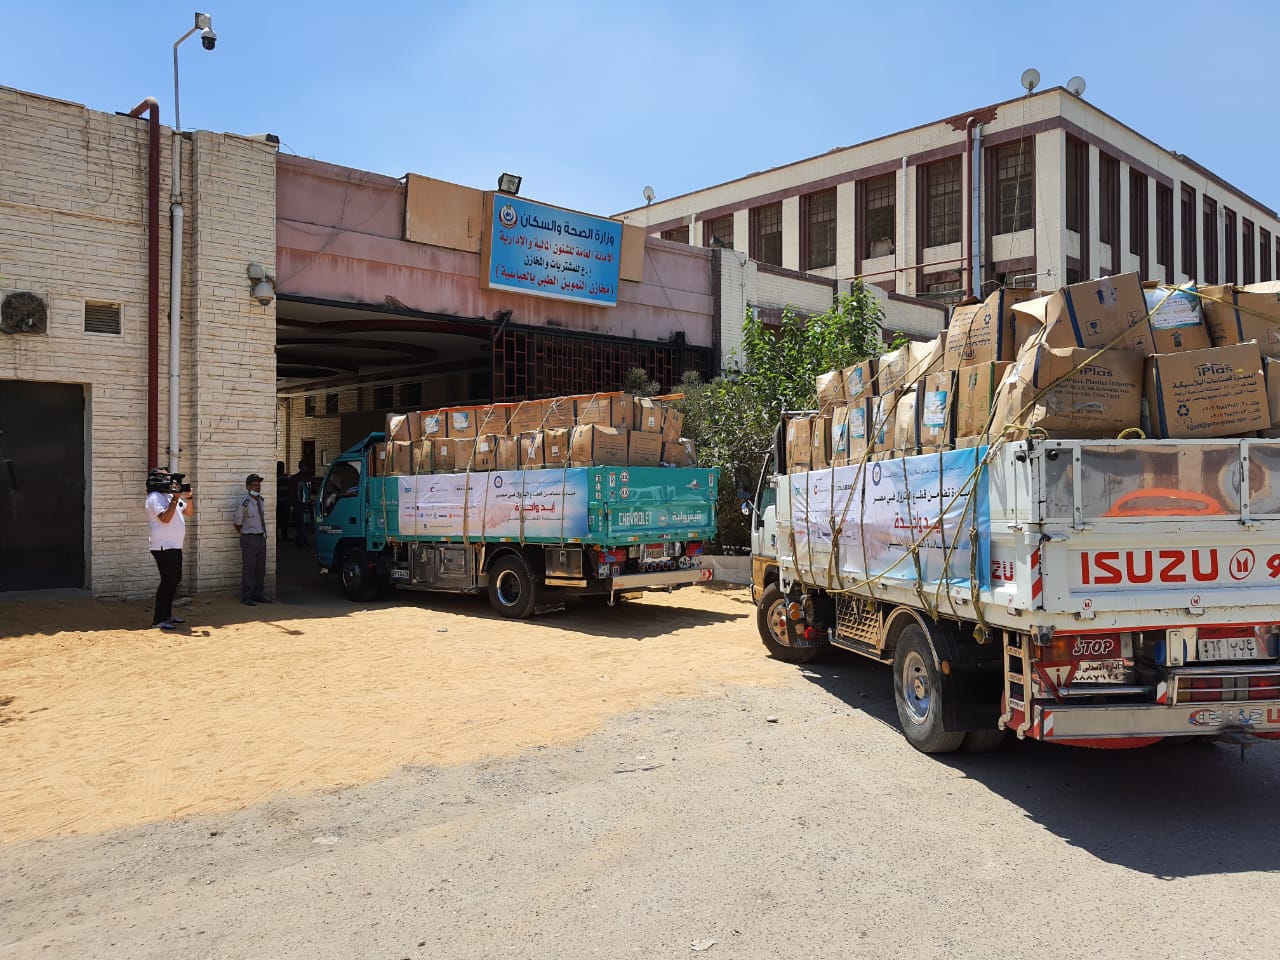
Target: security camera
point(208, 38)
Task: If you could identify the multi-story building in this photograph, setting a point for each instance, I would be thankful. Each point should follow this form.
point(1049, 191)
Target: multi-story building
point(1039, 191)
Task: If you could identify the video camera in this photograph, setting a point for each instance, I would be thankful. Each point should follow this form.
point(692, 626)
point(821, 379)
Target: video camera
point(162, 481)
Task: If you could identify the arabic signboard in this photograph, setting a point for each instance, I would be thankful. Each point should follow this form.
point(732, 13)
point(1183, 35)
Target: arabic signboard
point(519, 504)
point(548, 252)
point(893, 514)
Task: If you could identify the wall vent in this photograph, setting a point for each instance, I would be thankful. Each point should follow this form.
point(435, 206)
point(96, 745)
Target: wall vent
point(101, 317)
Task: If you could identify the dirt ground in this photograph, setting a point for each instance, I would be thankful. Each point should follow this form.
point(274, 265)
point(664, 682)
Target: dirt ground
point(104, 723)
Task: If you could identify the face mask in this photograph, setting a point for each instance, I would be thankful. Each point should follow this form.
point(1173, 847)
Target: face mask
point(255, 493)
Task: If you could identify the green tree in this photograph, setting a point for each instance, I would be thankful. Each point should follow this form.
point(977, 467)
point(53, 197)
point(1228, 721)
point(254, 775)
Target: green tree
point(732, 418)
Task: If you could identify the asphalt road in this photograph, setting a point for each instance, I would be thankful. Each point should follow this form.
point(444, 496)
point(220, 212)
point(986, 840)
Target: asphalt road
point(698, 828)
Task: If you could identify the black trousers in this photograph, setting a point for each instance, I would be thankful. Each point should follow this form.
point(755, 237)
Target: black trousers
point(253, 574)
point(169, 563)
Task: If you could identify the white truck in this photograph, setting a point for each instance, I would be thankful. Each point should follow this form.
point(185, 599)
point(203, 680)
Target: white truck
point(1101, 593)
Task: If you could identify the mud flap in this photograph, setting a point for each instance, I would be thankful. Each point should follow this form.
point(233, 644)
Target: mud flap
point(971, 682)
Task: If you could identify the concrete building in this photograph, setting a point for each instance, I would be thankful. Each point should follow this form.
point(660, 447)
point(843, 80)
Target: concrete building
point(1039, 191)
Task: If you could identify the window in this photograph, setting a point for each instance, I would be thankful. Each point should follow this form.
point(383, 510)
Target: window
point(942, 202)
point(383, 398)
point(718, 232)
point(1077, 178)
point(1264, 254)
point(1249, 251)
point(879, 205)
point(818, 214)
point(766, 234)
point(101, 317)
point(1164, 229)
point(309, 406)
point(411, 394)
point(331, 404)
point(677, 234)
point(1229, 247)
point(1210, 219)
point(1015, 175)
point(1109, 201)
point(1189, 231)
point(343, 481)
point(1138, 215)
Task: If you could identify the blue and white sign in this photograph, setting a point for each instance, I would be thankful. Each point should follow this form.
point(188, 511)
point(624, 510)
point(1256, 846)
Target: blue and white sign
point(881, 519)
point(548, 252)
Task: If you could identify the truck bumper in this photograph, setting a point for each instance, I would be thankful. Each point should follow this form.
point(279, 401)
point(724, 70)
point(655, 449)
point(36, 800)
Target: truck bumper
point(1122, 721)
point(664, 580)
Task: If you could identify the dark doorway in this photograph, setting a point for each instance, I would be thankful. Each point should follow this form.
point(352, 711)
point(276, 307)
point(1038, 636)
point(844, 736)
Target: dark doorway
point(42, 488)
point(309, 454)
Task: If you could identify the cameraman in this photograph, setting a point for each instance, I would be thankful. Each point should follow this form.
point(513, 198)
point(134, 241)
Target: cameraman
point(167, 510)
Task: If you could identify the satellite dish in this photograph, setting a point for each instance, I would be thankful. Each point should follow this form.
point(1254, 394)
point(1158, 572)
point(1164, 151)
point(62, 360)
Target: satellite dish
point(1030, 79)
point(1076, 85)
point(649, 194)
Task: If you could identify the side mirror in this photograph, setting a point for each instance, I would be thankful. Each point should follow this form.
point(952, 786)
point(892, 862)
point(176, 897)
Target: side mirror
point(747, 509)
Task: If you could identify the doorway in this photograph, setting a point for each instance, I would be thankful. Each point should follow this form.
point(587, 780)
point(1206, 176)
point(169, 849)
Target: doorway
point(42, 485)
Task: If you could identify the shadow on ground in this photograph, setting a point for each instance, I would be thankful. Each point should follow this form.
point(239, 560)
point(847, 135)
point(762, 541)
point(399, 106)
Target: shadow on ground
point(1170, 810)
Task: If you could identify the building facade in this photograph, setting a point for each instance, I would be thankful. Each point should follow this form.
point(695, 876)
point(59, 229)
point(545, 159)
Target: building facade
point(1040, 191)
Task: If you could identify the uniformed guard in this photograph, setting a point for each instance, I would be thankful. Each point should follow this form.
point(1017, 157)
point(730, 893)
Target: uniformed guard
point(250, 522)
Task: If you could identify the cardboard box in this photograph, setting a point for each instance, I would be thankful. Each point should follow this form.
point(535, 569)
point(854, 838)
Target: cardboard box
point(494, 418)
point(840, 434)
point(1072, 398)
point(560, 414)
point(380, 461)
point(820, 442)
point(445, 455)
point(934, 415)
point(1219, 392)
point(530, 451)
point(830, 389)
point(508, 453)
point(592, 444)
point(527, 417)
point(984, 332)
point(460, 422)
point(1175, 318)
point(672, 424)
point(606, 409)
point(859, 380)
point(431, 424)
point(1240, 314)
point(423, 457)
point(555, 446)
point(400, 455)
point(860, 420)
point(905, 366)
point(644, 448)
point(1093, 314)
point(486, 452)
point(976, 387)
point(647, 417)
point(906, 431)
point(679, 453)
point(799, 439)
point(1271, 375)
point(882, 431)
point(398, 426)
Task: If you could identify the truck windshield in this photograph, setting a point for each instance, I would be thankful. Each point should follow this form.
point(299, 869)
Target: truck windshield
point(343, 481)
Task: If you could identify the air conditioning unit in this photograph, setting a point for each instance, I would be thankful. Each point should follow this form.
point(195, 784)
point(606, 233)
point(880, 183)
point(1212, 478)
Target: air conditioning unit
point(22, 311)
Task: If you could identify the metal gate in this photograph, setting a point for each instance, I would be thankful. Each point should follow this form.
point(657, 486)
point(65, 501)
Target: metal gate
point(42, 486)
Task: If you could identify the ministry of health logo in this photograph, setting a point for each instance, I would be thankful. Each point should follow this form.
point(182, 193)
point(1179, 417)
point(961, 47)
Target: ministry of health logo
point(507, 216)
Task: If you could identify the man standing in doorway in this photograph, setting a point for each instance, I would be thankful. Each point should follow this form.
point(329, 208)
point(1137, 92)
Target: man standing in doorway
point(301, 484)
point(250, 522)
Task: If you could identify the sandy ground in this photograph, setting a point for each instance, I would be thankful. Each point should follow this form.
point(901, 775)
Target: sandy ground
point(105, 724)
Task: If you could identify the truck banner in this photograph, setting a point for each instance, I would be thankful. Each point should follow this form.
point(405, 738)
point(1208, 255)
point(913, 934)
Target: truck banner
point(896, 519)
point(515, 504)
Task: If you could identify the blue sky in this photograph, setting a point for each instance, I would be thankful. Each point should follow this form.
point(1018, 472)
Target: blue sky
point(590, 101)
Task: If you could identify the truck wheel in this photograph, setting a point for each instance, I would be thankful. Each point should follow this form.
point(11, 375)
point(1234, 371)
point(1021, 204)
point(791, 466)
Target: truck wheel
point(983, 741)
point(917, 693)
point(355, 576)
point(771, 619)
point(511, 588)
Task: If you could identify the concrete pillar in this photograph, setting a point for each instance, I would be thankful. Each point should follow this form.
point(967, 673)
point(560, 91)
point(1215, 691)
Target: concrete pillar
point(1126, 260)
point(1051, 205)
point(846, 228)
point(791, 233)
point(1095, 215)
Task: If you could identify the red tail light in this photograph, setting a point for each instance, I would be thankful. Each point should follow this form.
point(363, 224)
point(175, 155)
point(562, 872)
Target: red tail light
point(1264, 688)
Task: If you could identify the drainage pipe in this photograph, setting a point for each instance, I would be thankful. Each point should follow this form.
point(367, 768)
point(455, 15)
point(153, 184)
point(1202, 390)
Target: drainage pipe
point(152, 108)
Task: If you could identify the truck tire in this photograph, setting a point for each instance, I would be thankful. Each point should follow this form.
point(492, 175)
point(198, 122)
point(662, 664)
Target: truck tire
point(355, 575)
point(917, 694)
point(771, 621)
point(512, 591)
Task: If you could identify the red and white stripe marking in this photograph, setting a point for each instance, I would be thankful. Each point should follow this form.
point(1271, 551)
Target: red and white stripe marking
point(1037, 579)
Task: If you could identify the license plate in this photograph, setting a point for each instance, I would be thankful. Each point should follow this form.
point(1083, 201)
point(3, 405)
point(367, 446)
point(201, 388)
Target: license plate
point(399, 574)
point(1229, 648)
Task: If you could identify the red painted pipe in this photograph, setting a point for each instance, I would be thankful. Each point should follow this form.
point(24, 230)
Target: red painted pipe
point(150, 106)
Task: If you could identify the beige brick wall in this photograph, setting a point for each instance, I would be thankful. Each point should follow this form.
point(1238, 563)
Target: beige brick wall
point(73, 209)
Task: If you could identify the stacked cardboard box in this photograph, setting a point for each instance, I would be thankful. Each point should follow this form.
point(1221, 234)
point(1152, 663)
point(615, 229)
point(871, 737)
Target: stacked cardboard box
point(1100, 359)
point(604, 429)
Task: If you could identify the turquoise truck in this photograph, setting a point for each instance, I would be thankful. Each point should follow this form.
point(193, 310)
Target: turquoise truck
point(529, 538)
